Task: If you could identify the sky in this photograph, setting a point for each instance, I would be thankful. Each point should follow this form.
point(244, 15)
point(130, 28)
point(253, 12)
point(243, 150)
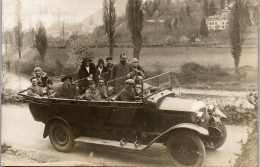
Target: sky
point(72, 11)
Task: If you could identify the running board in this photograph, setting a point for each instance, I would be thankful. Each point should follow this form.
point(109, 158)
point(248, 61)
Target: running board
point(112, 143)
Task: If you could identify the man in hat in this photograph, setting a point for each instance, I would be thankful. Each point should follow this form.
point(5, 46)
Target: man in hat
point(41, 76)
point(67, 90)
point(92, 93)
point(128, 93)
point(34, 89)
point(87, 72)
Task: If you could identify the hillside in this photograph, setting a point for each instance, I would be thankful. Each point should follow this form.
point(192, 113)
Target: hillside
point(98, 16)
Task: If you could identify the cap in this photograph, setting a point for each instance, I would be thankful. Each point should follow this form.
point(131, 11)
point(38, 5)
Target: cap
point(66, 77)
point(91, 82)
point(109, 58)
point(139, 78)
point(130, 81)
point(135, 60)
point(33, 78)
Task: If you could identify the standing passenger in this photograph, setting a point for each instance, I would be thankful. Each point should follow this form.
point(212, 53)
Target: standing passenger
point(100, 69)
point(86, 72)
point(120, 70)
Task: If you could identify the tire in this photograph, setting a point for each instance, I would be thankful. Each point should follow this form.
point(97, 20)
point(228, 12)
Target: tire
point(185, 149)
point(216, 138)
point(61, 136)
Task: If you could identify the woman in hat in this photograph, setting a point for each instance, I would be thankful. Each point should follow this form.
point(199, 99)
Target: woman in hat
point(41, 76)
point(100, 69)
point(87, 72)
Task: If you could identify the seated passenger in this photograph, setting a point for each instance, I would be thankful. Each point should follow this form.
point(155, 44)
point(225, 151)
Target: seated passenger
point(41, 76)
point(34, 89)
point(67, 90)
point(102, 88)
point(50, 93)
point(128, 93)
point(147, 89)
point(92, 93)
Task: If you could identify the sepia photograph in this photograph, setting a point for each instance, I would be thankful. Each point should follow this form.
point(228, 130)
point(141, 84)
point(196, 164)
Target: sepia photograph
point(129, 83)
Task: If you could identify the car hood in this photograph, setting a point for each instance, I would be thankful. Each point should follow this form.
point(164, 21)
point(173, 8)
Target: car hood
point(177, 104)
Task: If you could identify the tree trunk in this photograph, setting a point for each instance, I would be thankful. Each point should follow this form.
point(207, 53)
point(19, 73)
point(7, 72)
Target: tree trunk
point(20, 55)
point(236, 61)
point(111, 48)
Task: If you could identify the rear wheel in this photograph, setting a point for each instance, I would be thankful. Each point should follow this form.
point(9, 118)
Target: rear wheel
point(61, 137)
point(185, 150)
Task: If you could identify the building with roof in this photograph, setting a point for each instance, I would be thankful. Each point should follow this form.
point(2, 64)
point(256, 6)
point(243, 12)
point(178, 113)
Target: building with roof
point(219, 22)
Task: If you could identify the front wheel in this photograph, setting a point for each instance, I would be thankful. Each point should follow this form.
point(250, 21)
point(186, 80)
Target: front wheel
point(186, 150)
point(61, 137)
point(217, 136)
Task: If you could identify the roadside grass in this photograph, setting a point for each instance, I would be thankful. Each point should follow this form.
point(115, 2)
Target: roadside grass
point(5, 147)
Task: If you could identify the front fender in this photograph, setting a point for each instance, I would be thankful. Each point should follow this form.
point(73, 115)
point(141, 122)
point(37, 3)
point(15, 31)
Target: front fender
point(200, 130)
point(47, 125)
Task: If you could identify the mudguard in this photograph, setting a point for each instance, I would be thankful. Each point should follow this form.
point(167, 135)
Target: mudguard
point(200, 130)
point(45, 132)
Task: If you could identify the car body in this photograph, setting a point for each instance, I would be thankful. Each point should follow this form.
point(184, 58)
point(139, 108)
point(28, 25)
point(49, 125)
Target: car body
point(159, 117)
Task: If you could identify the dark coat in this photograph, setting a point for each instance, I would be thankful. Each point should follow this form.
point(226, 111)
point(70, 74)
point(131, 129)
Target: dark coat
point(120, 70)
point(67, 92)
point(104, 70)
point(83, 73)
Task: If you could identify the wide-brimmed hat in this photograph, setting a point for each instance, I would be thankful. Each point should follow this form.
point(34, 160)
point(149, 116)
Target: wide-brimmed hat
point(34, 77)
point(85, 59)
point(66, 77)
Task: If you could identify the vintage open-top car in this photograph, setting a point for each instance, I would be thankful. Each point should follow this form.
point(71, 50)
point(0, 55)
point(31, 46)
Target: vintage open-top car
point(185, 126)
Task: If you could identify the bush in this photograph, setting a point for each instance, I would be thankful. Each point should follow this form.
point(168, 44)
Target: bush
point(9, 96)
point(196, 73)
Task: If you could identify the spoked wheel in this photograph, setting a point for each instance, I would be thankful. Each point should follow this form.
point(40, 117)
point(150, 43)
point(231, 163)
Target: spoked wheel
point(61, 137)
point(186, 150)
point(217, 138)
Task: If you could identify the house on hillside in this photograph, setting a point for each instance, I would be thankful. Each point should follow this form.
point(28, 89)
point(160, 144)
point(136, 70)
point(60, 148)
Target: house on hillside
point(220, 21)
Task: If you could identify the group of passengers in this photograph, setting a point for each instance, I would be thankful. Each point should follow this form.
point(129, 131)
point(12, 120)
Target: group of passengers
point(92, 81)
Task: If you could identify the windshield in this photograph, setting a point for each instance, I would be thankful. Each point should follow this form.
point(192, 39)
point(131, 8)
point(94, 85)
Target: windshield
point(156, 84)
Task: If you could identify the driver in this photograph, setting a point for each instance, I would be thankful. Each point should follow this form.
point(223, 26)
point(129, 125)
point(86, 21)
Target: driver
point(128, 93)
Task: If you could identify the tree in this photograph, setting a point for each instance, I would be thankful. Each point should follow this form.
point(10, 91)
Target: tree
point(188, 10)
point(206, 8)
point(236, 31)
point(18, 29)
point(212, 9)
point(204, 28)
point(222, 4)
point(255, 15)
point(109, 19)
point(41, 40)
point(134, 17)
point(246, 15)
point(168, 25)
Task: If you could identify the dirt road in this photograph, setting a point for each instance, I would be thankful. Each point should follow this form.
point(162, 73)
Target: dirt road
point(25, 135)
